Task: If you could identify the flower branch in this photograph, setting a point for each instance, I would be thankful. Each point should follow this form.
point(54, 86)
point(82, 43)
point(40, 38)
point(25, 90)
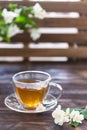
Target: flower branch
point(73, 116)
point(19, 18)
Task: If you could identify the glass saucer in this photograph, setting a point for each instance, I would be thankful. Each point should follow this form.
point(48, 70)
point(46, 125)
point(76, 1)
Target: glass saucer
point(12, 103)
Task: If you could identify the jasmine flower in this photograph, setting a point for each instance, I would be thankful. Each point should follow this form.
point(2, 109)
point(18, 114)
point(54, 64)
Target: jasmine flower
point(13, 30)
point(35, 34)
point(8, 15)
point(39, 12)
point(75, 116)
point(40, 107)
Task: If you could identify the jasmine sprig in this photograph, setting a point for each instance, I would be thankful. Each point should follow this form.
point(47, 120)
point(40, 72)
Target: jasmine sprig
point(17, 18)
point(81, 111)
point(73, 116)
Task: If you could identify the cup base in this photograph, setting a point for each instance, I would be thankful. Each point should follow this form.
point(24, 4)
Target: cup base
point(11, 102)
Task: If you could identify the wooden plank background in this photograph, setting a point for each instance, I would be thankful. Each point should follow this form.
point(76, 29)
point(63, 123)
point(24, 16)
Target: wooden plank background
point(77, 41)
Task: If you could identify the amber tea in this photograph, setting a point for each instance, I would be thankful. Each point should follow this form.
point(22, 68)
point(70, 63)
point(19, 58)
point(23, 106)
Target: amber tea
point(31, 88)
point(31, 97)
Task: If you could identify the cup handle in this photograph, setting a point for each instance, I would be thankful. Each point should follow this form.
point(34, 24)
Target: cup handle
point(59, 87)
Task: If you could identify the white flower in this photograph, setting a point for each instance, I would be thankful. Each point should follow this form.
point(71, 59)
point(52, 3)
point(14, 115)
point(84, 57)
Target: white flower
point(68, 111)
point(8, 15)
point(35, 34)
point(60, 117)
point(86, 106)
point(18, 11)
point(76, 116)
point(59, 107)
point(39, 12)
point(40, 107)
point(13, 30)
point(67, 115)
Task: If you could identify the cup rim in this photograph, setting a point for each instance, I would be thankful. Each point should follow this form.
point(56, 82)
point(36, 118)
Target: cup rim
point(22, 72)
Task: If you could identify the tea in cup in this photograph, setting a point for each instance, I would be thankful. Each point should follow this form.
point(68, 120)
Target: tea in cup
point(31, 87)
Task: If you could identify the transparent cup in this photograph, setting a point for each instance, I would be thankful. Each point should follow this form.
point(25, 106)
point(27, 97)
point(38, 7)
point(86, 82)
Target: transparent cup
point(32, 88)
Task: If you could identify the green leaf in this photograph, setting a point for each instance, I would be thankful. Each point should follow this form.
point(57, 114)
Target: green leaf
point(20, 19)
point(24, 20)
point(2, 22)
point(29, 10)
point(32, 23)
point(74, 124)
point(7, 39)
point(12, 6)
point(71, 109)
point(84, 112)
point(26, 10)
point(0, 12)
point(78, 109)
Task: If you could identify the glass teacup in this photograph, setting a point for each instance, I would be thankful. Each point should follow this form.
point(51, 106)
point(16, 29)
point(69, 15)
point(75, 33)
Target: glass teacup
point(31, 87)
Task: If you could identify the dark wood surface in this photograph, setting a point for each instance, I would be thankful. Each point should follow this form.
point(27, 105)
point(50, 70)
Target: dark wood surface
point(71, 76)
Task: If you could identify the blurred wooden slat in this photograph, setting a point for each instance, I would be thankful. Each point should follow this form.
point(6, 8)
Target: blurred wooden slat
point(54, 6)
point(78, 22)
point(80, 52)
point(79, 37)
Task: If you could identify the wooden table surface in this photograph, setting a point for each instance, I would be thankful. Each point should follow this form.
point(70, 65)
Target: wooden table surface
point(71, 76)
